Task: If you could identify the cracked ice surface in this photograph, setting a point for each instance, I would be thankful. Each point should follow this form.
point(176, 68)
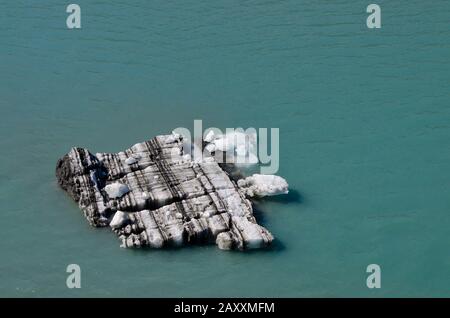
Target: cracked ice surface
point(153, 194)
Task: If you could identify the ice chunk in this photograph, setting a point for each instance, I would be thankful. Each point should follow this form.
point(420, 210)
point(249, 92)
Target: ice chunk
point(241, 145)
point(173, 138)
point(209, 136)
point(223, 144)
point(118, 219)
point(130, 160)
point(210, 148)
point(253, 235)
point(116, 190)
point(261, 185)
point(224, 241)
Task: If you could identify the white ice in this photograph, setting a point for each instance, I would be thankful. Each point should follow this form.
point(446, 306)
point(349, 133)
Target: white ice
point(173, 138)
point(116, 190)
point(209, 136)
point(130, 160)
point(241, 145)
point(118, 219)
point(261, 185)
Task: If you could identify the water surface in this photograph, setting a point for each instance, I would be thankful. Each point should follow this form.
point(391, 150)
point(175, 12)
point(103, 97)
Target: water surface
point(364, 124)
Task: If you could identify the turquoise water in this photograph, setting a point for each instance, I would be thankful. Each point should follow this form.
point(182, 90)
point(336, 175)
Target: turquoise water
point(364, 125)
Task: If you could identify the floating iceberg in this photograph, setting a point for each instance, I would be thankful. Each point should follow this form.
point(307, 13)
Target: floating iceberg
point(167, 199)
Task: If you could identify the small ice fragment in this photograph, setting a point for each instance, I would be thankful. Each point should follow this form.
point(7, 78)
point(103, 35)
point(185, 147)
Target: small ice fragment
point(118, 219)
point(209, 136)
point(172, 138)
point(136, 156)
point(241, 145)
point(176, 135)
point(116, 190)
point(224, 241)
point(222, 144)
point(210, 148)
point(130, 160)
point(261, 185)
